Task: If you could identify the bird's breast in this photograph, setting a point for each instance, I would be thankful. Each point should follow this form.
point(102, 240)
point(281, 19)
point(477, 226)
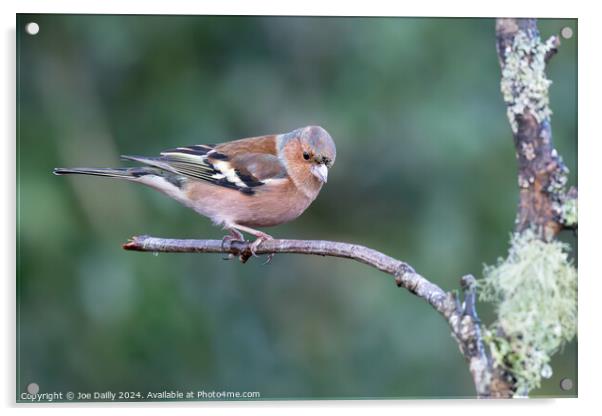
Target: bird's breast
point(272, 204)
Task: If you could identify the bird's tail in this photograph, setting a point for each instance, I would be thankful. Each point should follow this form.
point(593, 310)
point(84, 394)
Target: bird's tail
point(125, 173)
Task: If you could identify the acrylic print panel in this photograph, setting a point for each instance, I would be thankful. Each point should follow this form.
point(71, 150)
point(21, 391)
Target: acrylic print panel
point(425, 171)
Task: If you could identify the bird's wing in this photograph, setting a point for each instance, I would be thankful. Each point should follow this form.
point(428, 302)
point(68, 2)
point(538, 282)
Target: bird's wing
point(243, 165)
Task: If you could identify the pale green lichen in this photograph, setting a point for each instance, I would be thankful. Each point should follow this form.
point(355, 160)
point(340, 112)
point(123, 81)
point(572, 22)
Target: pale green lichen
point(559, 177)
point(535, 293)
point(568, 212)
point(524, 83)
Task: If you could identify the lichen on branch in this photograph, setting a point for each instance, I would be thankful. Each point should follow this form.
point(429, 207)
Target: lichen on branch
point(534, 290)
point(524, 83)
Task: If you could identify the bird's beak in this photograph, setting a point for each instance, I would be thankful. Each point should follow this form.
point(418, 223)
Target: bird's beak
point(321, 172)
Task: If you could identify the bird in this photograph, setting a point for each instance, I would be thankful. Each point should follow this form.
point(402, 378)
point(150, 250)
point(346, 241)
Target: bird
point(239, 185)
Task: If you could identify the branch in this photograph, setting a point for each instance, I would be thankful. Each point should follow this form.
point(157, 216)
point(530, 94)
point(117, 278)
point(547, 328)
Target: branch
point(462, 319)
point(404, 274)
point(542, 175)
point(545, 205)
point(466, 323)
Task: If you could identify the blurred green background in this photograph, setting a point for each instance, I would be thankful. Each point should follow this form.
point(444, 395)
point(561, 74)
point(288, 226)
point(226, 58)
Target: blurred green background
point(425, 172)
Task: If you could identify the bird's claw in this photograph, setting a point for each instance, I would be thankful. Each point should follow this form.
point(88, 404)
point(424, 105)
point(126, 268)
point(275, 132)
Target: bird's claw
point(269, 259)
point(232, 236)
point(235, 235)
point(255, 245)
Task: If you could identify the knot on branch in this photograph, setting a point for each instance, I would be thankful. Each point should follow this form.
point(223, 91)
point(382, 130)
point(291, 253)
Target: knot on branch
point(238, 248)
point(403, 274)
point(464, 313)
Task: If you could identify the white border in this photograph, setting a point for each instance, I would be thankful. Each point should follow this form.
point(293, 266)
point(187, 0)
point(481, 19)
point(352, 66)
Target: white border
point(307, 7)
point(589, 148)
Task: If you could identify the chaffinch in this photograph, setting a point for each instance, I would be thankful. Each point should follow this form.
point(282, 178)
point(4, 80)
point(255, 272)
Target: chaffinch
point(255, 182)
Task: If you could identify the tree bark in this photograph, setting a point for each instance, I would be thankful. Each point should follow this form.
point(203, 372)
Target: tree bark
point(542, 175)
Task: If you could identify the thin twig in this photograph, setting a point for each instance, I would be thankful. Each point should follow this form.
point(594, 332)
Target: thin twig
point(555, 40)
point(405, 276)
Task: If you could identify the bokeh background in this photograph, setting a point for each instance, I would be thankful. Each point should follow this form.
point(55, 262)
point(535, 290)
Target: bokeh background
point(425, 172)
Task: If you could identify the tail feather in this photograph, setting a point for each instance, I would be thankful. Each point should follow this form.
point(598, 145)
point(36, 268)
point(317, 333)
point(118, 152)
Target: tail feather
point(113, 173)
point(150, 161)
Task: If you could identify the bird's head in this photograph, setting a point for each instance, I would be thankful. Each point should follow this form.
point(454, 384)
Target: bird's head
point(310, 148)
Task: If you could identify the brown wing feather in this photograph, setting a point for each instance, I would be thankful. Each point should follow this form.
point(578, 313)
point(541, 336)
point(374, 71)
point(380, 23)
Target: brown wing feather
point(261, 144)
point(241, 164)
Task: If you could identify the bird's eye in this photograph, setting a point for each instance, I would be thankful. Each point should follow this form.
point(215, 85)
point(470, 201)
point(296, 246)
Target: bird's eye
point(305, 155)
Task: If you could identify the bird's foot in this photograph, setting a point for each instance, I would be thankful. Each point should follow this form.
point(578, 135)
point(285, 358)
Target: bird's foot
point(261, 237)
point(233, 235)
